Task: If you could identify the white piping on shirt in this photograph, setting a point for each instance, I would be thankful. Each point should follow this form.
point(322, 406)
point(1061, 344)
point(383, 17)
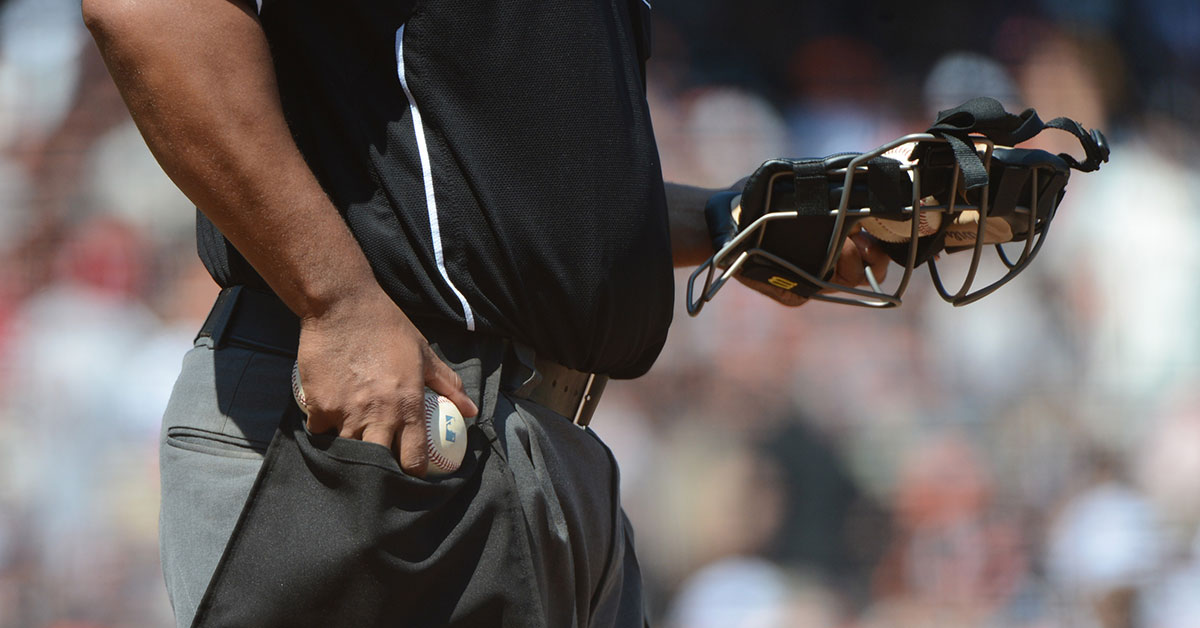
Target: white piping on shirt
point(427, 173)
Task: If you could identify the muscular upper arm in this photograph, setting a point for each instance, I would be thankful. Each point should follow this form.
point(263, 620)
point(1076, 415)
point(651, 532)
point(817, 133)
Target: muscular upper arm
point(141, 24)
point(114, 14)
point(198, 79)
point(192, 72)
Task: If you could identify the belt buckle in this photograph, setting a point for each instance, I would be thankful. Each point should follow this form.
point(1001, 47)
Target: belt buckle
point(589, 400)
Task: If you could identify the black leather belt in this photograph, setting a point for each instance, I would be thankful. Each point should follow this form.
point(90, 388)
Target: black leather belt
point(258, 320)
point(573, 394)
point(253, 319)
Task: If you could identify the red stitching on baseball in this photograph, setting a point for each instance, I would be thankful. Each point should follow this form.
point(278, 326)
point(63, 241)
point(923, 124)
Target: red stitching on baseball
point(297, 390)
point(432, 408)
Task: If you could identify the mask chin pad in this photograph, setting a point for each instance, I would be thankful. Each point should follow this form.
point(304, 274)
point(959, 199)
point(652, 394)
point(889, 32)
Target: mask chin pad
point(788, 202)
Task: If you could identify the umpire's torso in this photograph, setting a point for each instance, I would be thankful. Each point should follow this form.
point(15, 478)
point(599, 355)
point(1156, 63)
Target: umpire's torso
point(495, 160)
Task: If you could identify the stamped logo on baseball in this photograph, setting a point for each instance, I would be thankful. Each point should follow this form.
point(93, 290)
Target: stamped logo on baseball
point(445, 428)
point(445, 434)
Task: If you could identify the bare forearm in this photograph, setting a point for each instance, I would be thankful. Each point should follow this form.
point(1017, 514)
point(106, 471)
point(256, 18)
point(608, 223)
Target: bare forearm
point(691, 243)
point(198, 79)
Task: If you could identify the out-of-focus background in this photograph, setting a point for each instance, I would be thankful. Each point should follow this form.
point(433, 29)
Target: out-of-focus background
point(1032, 460)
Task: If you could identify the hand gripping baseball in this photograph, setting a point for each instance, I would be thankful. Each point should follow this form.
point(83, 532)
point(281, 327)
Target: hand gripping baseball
point(860, 252)
point(960, 186)
point(445, 428)
point(365, 369)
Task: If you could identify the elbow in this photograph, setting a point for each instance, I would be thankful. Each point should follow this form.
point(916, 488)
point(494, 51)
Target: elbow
point(102, 17)
point(97, 14)
point(112, 21)
point(115, 22)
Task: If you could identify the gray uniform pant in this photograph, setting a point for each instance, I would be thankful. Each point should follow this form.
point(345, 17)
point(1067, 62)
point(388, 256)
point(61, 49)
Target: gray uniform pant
point(330, 532)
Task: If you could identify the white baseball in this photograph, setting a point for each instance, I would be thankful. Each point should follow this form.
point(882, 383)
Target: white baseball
point(445, 429)
point(965, 229)
point(445, 435)
point(901, 230)
point(297, 389)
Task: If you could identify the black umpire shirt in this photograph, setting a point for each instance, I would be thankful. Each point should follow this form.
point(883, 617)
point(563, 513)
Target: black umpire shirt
point(495, 161)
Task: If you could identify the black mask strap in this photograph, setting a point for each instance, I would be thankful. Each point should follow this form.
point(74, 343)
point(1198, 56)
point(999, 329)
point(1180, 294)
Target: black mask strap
point(987, 117)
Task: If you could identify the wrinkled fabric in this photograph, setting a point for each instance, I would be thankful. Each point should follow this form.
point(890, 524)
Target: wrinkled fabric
point(330, 532)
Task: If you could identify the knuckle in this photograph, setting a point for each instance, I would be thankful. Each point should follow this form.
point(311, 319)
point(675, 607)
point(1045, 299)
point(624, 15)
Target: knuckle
point(411, 405)
point(413, 458)
point(317, 424)
point(415, 465)
point(371, 406)
point(430, 359)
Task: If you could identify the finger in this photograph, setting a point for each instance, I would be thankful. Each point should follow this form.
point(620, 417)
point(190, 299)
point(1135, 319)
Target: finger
point(442, 380)
point(871, 252)
point(349, 430)
point(317, 419)
point(380, 434)
point(850, 264)
point(301, 397)
point(410, 444)
point(321, 421)
point(317, 423)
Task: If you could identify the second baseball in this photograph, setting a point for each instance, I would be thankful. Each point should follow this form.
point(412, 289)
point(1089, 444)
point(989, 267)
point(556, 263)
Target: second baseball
point(901, 230)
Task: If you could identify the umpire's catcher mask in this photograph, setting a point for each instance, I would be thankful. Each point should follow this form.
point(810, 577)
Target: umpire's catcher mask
point(961, 180)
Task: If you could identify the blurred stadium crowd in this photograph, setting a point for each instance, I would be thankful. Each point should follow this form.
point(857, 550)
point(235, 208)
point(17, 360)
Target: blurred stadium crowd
point(1032, 460)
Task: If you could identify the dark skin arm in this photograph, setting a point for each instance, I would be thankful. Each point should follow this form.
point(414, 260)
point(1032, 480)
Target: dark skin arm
point(198, 79)
point(691, 245)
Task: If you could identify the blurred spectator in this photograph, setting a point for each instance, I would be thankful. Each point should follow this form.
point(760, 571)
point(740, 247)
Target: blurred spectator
point(829, 526)
point(961, 76)
point(953, 557)
point(1172, 602)
point(1177, 24)
point(1102, 548)
point(751, 593)
point(732, 129)
point(827, 466)
point(839, 101)
point(40, 42)
point(1168, 462)
point(121, 177)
